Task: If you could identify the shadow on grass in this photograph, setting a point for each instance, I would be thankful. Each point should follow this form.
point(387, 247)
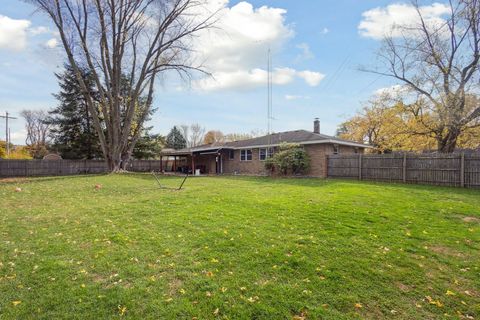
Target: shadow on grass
point(310, 182)
point(35, 179)
point(317, 182)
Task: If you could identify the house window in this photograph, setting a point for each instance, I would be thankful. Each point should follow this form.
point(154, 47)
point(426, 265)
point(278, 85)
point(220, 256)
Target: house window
point(265, 153)
point(356, 150)
point(231, 154)
point(335, 149)
point(246, 155)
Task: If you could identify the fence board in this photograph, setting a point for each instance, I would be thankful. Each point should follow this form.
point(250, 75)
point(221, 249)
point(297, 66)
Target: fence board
point(436, 169)
point(33, 168)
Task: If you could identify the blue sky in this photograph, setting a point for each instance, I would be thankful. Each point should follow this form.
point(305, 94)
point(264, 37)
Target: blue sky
point(320, 37)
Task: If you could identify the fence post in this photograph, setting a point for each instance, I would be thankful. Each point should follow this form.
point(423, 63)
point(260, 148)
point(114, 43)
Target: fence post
point(404, 170)
point(360, 166)
point(462, 170)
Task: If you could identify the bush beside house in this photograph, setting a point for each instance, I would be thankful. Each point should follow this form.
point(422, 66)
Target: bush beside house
point(290, 159)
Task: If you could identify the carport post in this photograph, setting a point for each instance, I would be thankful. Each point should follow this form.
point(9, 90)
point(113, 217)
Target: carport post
point(193, 165)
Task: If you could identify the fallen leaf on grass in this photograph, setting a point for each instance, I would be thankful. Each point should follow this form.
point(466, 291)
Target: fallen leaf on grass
point(16, 303)
point(358, 305)
point(434, 302)
point(450, 293)
point(122, 310)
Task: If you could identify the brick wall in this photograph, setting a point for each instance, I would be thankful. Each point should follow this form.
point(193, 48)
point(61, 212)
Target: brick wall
point(317, 152)
point(318, 157)
point(253, 167)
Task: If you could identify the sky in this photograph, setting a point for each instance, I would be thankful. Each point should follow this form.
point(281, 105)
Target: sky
point(317, 49)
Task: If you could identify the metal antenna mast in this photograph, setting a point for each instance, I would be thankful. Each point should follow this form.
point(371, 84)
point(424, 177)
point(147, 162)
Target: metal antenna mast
point(7, 132)
point(269, 91)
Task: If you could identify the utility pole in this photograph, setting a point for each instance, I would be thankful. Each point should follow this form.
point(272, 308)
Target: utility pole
point(7, 132)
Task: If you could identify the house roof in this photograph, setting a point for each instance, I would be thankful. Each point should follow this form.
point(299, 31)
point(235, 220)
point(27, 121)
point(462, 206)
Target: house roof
point(298, 136)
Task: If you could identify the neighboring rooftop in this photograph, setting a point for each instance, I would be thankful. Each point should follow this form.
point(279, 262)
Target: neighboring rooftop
point(274, 139)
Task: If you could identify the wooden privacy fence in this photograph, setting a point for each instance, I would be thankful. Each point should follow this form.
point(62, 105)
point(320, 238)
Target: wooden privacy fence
point(439, 169)
point(30, 168)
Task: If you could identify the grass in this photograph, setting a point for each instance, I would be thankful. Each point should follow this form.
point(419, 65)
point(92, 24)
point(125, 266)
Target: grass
point(237, 248)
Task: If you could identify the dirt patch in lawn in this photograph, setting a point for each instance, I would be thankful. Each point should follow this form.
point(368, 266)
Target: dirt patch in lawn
point(13, 180)
point(471, 219)
point(174, 286)
point(403, 287)
point(446, 251)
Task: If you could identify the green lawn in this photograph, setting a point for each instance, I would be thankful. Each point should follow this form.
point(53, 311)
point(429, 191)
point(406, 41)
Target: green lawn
point(237, 248)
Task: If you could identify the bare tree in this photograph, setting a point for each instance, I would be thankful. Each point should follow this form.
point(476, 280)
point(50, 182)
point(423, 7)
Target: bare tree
point(197, 133)
point(141, 39)
point(38, 132)
point(439, 63)
point(193, 134)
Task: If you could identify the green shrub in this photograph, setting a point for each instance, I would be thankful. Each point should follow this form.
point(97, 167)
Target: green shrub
point(290, 159)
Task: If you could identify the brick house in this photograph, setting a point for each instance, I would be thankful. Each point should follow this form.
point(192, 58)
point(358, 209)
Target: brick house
point(248, 156)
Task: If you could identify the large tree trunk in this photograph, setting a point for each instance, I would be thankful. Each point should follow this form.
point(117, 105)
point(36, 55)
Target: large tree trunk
point(448, 143)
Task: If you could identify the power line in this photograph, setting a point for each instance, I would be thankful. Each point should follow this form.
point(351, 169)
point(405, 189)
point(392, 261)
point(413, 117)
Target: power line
point(7, 132)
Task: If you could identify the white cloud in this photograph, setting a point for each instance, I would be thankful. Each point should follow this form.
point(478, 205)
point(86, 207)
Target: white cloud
point(19, 137)
point(245, 79)
point(306, 54)
point(325, 31)
point(295, 97)
point(392, 91)
point(243, 35)
point(52, 43)
point(250, 79)
point(235, 52)
point(312, 78)
point(13, 33)
point(39, 30)
point(391, 20)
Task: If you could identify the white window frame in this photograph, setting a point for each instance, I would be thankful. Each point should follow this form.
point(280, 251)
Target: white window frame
point(244, 152)
point(336, 149)
point(269, 152)
point(260, 154)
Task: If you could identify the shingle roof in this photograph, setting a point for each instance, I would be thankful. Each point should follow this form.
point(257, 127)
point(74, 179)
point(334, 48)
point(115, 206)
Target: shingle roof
point(297, 136)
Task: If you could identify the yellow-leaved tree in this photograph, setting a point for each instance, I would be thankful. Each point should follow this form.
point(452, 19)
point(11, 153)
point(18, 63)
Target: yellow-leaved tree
point(391, 126)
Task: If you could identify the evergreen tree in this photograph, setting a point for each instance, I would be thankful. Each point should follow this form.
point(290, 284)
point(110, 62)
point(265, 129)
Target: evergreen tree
point(148, 146)
point(74, 136)
point(175, 139)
